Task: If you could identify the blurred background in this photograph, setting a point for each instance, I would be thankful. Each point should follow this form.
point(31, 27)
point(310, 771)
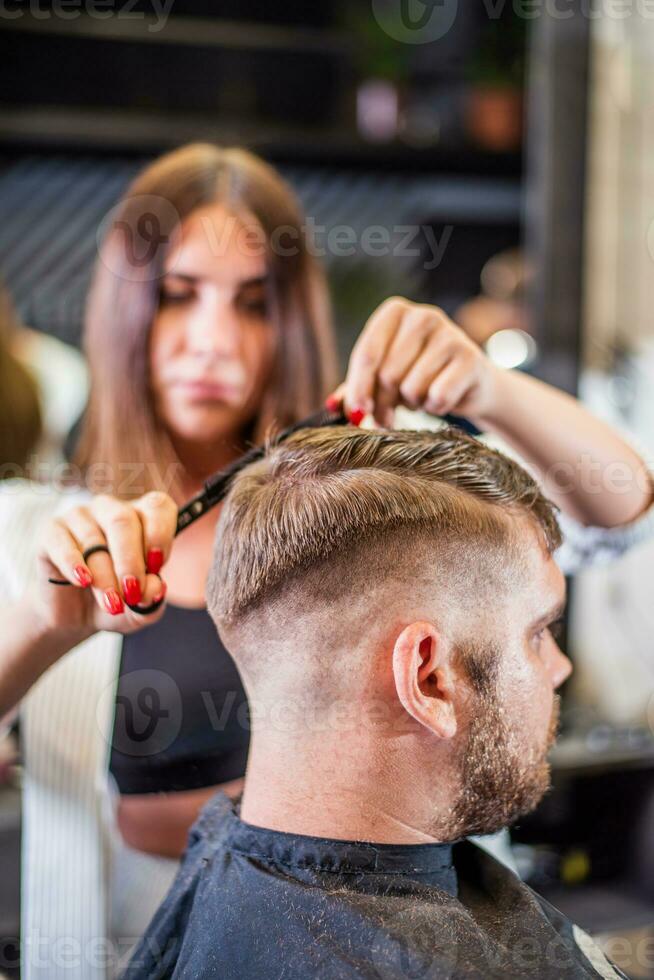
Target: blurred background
point(493, 158)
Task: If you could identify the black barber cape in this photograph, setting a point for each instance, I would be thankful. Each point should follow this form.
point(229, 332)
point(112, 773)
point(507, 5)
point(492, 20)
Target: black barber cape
point(254, 904)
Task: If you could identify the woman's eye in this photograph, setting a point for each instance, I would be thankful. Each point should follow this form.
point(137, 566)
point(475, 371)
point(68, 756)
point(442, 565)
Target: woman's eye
point(256, 305)
point(253, 300)
point(170, 296)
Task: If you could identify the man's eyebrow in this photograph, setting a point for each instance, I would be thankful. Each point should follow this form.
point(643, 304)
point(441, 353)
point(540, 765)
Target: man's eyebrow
point(551, 616)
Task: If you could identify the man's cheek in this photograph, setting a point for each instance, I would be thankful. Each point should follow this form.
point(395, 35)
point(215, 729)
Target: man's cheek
point(545, 722)
point(532, 706)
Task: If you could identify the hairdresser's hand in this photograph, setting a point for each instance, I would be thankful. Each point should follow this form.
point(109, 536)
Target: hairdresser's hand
point(139, 536)
point(412, 354)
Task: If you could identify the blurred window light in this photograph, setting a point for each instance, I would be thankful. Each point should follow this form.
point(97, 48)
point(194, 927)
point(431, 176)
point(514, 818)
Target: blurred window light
point(511, 349)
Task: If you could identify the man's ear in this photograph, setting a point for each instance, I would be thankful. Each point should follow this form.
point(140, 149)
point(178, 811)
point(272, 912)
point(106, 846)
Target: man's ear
point(424, 679)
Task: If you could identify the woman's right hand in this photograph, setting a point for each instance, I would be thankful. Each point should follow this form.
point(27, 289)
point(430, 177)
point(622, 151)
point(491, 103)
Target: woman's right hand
point(139, 536)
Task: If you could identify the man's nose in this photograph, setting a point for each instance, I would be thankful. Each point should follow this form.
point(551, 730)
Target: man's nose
point(560, 668)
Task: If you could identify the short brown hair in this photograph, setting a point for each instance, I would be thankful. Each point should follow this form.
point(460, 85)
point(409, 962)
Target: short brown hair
point(124, 298)
point(324, 495)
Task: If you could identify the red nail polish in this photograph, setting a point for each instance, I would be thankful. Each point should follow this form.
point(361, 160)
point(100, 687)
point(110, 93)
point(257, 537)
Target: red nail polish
point(113, 603)
point(161, 592)
point(132, 590)
point(83, 576)
point(332, 404)
point(357, 415)
point(154, 560)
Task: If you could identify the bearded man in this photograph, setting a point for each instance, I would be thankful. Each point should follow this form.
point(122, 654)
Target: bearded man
point(389, 599)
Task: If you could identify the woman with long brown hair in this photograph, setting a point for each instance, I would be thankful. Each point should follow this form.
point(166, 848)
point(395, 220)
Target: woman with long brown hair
point(234, 206)
point(207, 324)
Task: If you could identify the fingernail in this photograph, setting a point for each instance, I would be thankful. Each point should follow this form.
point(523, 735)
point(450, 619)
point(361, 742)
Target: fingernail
point(83, 576)
point(132, 590)
point(113, 602)
point(154, 560)
point(161, 592)
point(332, 404)
point(357, 415)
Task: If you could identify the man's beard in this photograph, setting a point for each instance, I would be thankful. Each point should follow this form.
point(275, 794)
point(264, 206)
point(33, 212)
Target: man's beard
point(501, 777)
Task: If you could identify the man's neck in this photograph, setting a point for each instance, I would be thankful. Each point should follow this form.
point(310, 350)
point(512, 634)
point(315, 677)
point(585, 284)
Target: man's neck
point(322, 791)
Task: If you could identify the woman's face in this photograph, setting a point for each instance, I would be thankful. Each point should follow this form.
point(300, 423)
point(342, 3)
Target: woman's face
point(211, 343)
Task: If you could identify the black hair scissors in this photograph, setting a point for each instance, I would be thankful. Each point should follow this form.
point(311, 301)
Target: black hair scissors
point(216, 487)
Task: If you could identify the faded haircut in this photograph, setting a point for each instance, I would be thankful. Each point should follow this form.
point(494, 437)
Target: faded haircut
point(329, 504)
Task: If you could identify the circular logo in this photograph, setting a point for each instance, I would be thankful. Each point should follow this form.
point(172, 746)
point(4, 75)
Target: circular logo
point(132, 236)
point(415, 950)
point(415, 21)
point(147, 713)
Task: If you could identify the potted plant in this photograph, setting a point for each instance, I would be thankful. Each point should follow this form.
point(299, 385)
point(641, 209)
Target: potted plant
point(494, 111)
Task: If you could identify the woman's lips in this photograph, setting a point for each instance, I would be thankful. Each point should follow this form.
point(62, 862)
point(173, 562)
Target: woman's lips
point(207, 390)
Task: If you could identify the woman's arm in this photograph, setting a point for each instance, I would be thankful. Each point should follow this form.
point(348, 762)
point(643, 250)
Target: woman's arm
point(411, 354)
point(28, 648)
point(584, 465)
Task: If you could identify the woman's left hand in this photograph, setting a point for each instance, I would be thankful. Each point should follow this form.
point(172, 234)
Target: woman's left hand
point(412, 354)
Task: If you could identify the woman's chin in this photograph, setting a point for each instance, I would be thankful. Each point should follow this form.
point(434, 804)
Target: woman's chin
point(206, 426)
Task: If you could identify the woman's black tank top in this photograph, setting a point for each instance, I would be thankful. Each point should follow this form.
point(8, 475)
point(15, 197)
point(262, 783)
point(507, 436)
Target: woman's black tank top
point(181, 712)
